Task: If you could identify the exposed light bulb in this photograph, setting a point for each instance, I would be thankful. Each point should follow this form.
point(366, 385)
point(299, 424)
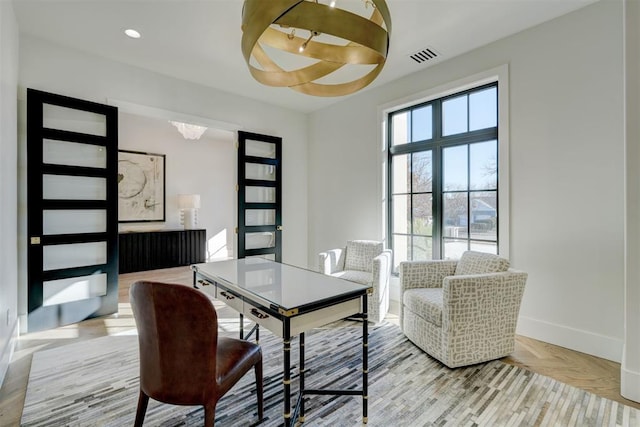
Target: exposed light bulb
point(302, 47)
point(332, 3)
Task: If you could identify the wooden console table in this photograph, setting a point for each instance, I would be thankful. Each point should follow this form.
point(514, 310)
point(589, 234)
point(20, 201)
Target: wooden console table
point(151, 250)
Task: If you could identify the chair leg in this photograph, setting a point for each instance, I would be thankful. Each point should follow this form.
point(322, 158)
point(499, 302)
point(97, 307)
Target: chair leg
point(210, 415)
point(143, 401)
point(258, 371)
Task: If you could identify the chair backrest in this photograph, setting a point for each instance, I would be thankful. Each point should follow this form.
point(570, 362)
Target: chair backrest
point(360, 254)
point(178, 337)
point(472, 262)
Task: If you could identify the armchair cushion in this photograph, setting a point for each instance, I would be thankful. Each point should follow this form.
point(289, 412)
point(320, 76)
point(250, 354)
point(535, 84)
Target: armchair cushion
point(480, 263)
point(425, 302)
point(360, 254)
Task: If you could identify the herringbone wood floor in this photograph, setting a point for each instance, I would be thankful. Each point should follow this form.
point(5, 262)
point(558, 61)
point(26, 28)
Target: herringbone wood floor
point(597, 375)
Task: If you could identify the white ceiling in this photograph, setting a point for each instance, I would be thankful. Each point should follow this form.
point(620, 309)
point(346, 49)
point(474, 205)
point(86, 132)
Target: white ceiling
point(199, 40)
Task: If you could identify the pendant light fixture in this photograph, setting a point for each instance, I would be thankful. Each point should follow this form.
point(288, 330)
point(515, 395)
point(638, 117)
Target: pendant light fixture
point(327, 38)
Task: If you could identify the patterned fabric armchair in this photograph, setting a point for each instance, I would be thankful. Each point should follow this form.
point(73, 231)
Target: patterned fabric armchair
point(366, 262)
point(461, 312)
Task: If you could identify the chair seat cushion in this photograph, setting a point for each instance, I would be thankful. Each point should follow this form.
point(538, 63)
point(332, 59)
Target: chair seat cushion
point(480, 263)
point(426, 303)
point(362, 277)
point(234, 358)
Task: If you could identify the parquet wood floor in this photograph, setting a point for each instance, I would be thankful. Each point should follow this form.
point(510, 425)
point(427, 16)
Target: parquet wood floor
point(596, 375)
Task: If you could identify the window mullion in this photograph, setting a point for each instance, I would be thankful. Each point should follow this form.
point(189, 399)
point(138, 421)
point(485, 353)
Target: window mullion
point(437, 182)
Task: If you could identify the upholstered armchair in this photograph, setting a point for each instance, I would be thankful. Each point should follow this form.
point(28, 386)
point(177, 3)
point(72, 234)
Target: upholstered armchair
point(461, 312)
point(366, 262)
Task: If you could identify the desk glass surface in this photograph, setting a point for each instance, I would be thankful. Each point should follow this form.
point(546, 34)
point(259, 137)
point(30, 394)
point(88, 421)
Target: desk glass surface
point(283, 285)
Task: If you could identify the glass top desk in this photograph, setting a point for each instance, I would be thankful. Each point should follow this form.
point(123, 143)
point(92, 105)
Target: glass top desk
point(288, 301)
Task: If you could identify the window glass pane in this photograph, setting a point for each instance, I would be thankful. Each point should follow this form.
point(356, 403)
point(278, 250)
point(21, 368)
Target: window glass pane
point(488, 247)
point(422, 248)
point(483, 109)
point(260, 240)
point(260, 149)
point(70, 119)
point(260, 217)
point(401, 174)
point(401, 218)
point(455, 168)
point(484, 215)
point(73, 289)
point(260, 171)
point(61, 187)
point(422, 123)
point(260, 194)
point(71, 255)
point(453, 249)
point(454, 115)
point(422, 172)
point(400, 128)
point(422, 214)
point(455, 211)
point(401, 249)
point(74, 154)
point(67, 221)
point(483, 165)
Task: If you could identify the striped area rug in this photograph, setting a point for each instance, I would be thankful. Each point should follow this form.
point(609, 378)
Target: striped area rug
point(95, 383)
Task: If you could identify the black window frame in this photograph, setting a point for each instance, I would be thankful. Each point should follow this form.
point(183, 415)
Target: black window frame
point(436, 144)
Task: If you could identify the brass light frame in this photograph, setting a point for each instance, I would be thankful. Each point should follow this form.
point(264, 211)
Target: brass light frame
point(368, 43)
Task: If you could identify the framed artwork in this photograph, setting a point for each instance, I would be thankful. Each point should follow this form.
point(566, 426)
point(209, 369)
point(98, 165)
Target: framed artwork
point(141, 187)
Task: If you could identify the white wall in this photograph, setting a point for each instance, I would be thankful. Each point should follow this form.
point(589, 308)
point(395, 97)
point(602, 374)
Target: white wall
point(566, 169)
point(8, 184)
point(630, 369)
point(57, 69)
point(205, 167)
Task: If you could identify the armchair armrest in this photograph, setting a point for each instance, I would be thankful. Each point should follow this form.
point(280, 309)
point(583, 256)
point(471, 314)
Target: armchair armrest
point(331, 261)
point(382, 269)
point(478, 298)
point(425, 274)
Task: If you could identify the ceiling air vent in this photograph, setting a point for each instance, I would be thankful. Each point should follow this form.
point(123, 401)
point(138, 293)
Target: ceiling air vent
point(424, 55)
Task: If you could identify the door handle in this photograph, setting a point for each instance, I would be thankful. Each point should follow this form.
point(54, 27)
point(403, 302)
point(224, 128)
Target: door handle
point(279, 228)
point(35, 240)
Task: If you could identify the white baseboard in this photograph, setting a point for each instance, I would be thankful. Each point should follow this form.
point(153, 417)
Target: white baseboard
point(575, 339)
point(7, 351)
point(630, 384)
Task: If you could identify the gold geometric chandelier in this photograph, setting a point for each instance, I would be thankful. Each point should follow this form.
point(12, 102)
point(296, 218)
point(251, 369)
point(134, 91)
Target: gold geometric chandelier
point(324, 39)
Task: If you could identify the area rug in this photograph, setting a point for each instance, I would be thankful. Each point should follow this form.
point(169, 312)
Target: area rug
point(95, 383)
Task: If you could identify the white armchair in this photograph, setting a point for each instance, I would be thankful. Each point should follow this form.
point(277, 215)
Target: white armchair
point(366, 262)
point(461, 312)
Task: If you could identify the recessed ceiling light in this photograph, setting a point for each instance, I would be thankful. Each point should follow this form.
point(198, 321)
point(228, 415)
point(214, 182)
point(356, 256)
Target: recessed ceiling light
point(132, 33)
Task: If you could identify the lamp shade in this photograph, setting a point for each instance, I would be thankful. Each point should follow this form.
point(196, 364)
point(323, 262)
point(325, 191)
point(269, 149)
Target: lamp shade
point(189, 201)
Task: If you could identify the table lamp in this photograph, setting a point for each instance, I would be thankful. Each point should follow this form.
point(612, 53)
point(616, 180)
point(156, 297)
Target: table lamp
point(189, 205)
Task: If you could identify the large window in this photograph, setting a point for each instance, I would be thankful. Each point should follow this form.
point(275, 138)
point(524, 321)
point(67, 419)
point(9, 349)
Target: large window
point(443, 173)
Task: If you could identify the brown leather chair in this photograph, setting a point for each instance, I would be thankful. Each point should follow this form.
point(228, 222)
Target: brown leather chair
point(182, 359)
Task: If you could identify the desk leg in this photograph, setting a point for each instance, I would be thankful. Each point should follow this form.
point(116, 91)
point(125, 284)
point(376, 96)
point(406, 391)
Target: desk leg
point(241, 326)
point(302, 369)
point(365, 359)
point(286, 373)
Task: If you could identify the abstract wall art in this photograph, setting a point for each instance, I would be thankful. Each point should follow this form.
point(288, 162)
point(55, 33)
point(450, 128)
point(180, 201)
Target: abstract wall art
point(141, 187)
